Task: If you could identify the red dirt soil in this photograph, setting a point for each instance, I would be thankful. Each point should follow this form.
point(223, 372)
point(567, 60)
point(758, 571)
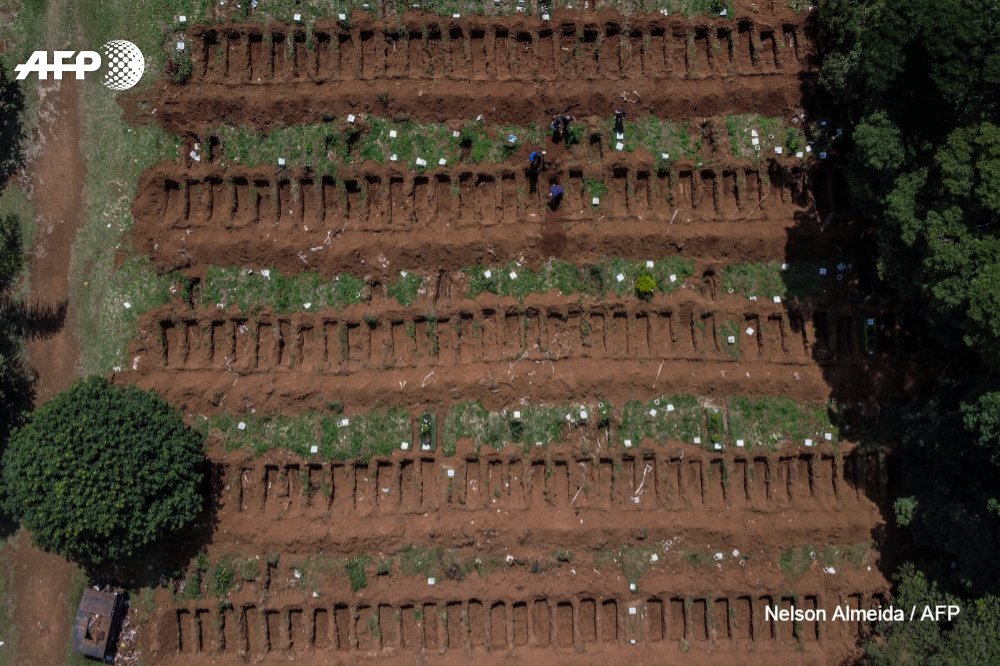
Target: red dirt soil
point(504, 68)
point(373, 215)
point(512, 506)
point(546, 349)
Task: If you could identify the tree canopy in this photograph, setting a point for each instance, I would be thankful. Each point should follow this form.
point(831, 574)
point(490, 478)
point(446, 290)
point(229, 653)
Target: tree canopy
point(917, 82)
point(101, 470)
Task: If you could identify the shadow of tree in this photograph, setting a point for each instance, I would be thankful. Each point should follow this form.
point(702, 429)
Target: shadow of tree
point(11, 126)
point(32, 321)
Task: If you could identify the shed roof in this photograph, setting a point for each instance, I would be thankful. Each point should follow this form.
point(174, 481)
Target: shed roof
point(96, 621)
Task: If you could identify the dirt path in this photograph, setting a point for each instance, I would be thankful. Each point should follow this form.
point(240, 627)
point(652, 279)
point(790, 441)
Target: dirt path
point(57, 185)
point(42, 580)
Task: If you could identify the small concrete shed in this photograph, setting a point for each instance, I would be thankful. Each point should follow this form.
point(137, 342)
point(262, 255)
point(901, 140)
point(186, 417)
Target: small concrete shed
point(98, 621)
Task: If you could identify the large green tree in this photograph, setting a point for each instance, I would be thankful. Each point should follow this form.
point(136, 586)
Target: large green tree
point(101, 471)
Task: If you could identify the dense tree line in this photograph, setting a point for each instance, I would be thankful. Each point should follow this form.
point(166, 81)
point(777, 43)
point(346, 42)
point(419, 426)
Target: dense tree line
point(918, 82)
point(15, 384)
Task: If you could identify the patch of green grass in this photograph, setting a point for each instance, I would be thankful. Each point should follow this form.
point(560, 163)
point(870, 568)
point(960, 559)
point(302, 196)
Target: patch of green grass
point(699, 559)
point(327, 147)
point(421, 561)
point(24, 31)
point(437, 562)
point(536, 424)
point(115, 155)
point(767, 280)
point(758, 421)
point(594, 281)
point(316, 570)
point(633, 561)
point(771, 132)
point(677, 418)
point(377, 433)
point(406, 287)
point(223, 577)
point(355, 569)
point(104, 323)
point(264, 433)
point(595, 188)
point(771, 421)
point(8, 628)
point(657, 136)
point(794, 562)
point(251, 290)
point(729, 330)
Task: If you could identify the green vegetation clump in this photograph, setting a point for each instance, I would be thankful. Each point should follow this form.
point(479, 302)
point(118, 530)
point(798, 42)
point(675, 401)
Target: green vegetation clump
point(406, 288)
point(100, 471)
point(645, 285)
point(356, 571)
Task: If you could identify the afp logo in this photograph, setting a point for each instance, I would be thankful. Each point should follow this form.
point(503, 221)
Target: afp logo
point(125, 64)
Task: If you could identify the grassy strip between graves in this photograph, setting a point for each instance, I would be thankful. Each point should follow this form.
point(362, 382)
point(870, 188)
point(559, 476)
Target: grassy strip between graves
point(207, 578)
point(758, 136)
point(798, 280)
point(328, 146)
point(795, 562)
point(311, 11)
point(746, 423)
point(617, 276)
point(252, 290)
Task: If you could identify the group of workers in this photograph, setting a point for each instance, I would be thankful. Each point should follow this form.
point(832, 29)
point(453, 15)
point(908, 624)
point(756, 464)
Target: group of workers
point(560, 131)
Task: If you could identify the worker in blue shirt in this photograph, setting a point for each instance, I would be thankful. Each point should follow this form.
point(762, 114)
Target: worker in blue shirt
point(555, 195)
point(536, 161)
